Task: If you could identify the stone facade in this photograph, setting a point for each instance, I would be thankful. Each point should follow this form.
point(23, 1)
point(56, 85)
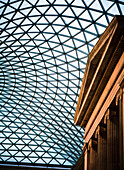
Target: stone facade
point(100, 107)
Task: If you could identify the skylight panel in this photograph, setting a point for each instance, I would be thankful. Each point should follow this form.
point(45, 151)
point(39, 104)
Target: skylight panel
point(60, 9)
point(62, 2)
point(78, 3)
point(77, 11)
point(114, 10)
point(68, 12)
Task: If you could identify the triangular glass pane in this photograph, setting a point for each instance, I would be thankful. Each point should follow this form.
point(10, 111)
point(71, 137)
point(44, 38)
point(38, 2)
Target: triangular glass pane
point(26, 27)
point(5, 154)
point(54, 162)
point(40, 161)
point(63, 38)
point(48, 53)
point(88, 2)
point(33, 2)
point(42, 2)
point(9, 16)
point(80, 36)
point(61, 161)
point(57, 28)
point(42, 27)
point(51, 18)
point(55, 39)
point(65, 32)
point(44, 45)
point(67, 20)
point(68, 12)
point(56, 54)
point(75, 24)
point(34, 12)
point(39, 37)
point(51, 11)
point(69, 43)
point(106, 4)
point(103, 20)
point(34, 18)
point(95, 14)
point(1, 10)
point(18, 15)
point(59, 49)
point(25, 4)
point(100, 29)
point(74, 31)
point(110, 18)
point(92, 29)
point(84, 49)
point(42, 21)
point(25, 11)
point(114, 10)
point(46, 155)
point(2, 20)
point(5, 33)
point(59, 21)
point(11, 25)
point(47, 160)
point(67, 49)
point(60, 9)
point(20, 154)
point(16, 4)
point(122, 8)
point(73, 54)
point(33, 29)
point(78, 43)
point(78, 3)
point(26, 37)
point(77, 11)
point(85, 15)
point(26, 21)
point(96, 5)
point(26, 160)
point(94, 41)
point(49, 29)
point(9, 9)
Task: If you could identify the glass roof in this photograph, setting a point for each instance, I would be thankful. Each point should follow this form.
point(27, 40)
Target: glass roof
point(44, 46)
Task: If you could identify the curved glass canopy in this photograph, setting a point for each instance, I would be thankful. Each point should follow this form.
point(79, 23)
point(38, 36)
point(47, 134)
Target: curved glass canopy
point(44, 46)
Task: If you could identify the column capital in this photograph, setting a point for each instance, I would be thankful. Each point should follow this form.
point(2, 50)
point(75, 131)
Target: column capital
point(120, 93)
point(92, 143)
point(109, 114)
point(100, 130)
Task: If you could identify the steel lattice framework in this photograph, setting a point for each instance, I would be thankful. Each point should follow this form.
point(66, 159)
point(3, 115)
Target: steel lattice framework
point(44, 46)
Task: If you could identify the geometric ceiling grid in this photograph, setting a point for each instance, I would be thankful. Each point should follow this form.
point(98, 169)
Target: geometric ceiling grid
point(44, 45)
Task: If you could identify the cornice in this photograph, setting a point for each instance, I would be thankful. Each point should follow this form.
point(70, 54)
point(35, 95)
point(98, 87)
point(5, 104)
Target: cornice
point(102, 55)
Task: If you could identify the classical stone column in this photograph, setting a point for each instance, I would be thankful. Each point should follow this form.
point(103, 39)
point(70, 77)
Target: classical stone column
point(101, 148)
point(112, 120)
point(93, 154)
point(120, 101)
point(86, 156)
